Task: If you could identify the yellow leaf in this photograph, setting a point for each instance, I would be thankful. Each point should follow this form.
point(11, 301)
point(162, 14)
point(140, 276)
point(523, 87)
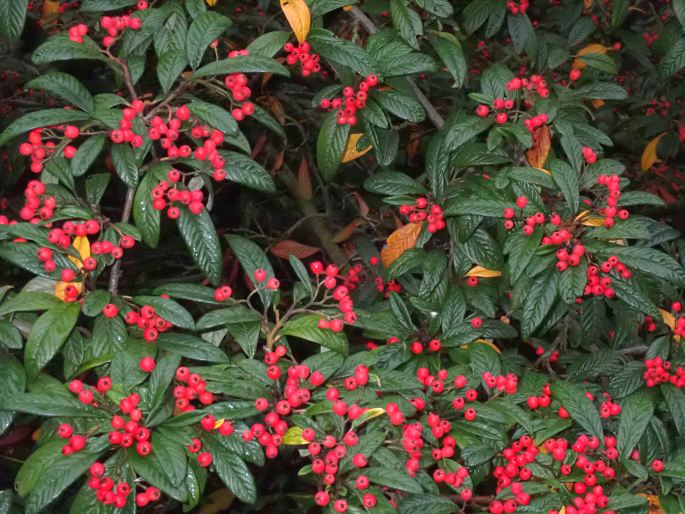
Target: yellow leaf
point(218, 423)
point(669, 320)
point(481, 272)
point(654, 504)
point(584, 219)
point(298, 16)
point(293, 437)
point(486, 342)
point(579, 64)
point(649, 156)
point(399, 242)
point(351, 153)
point(82, 246)
point(61, 286)
point(211, 3)
point(219, 501)
point(369, 414)
point(546, 172)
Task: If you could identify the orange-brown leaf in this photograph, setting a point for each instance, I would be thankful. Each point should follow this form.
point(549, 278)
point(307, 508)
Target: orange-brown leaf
point(284, 249)
point(649, 156)
point(304, 181)
point(594, 48)
point(298, 16)
point(399, 242)
point(363, 206)
point(481, 272)
point(345, 233)
point(537, 154)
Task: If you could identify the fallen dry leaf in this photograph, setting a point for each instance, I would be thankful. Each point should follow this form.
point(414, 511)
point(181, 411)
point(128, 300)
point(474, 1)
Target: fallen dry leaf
point(399, 242)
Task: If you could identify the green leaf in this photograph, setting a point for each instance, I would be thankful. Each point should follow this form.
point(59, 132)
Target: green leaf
point(169, 310)
point(65, 87)
point(86, 155)
point(29, 301)
point(214, 116)
point(205, 28)
point(194, 292)
point(125, 164)
point(199, 234)
point(252, 258)
point(341, 51)
point(305, 327)
point(161, 377)
point(448, 48)
point(674, 60)
point(154, 473)
point(39, 119)
point(61, 48)
point(12, 382)
point(631, 293)
point(581, 409)
point(145, 217)
point(268, 44)
point(105, 5)
point(231, 469)
point(172, 56)
point(242, 64)
point(675, 400)
point(540, 298)
point(426, 503)
point(572, 282)
point(248, 172)
point(636, 412)
point(601, 62)
point(567, 180)
point(48, 405)
point(600, 91)
point(191, 347)
point(393, 478)
point(401, 105)
point(393, 183)
point(229, 316)
point(47, 336)
point(108, 336)
point(12, 18)
point(10, 336)
point(330, 145)
point(61, 473)
point(521, 31)
point(407, 21)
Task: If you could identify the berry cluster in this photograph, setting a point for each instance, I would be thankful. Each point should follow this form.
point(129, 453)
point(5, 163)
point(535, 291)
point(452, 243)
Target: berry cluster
point(659, 371)
point(589, 155)
point(535, 122)
point(260, 277)
point(40, 151)
point(543, 400)
point(340, 294)
point(598, 285)
point(127, 433)
point(519, 7)
point(114, 25)
point(146, 319)
point(530, 221)
point(309, 62)
point(650, 37)
point(569, 255)
point(192, 387)
point(533, 84)
point(434, 345)
point(109, 493)
point(164, 196)
point(608, 408)
point(387, 288)
point(75, 442)
point(521, 453)
point(237, 83)
point(77, 32)
point(503, 383)
point(421, 211)
point(679, 324)
point(351, 102)
point(499, 104)
point(612, 183)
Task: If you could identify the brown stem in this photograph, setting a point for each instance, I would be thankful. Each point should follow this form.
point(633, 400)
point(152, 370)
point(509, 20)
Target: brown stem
point(115, 274)
point(172, 96)
point(316, 221)
point(370, 27)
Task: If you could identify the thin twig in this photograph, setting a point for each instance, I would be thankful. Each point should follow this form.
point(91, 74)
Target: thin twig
point(370, 27)
point(115, 274)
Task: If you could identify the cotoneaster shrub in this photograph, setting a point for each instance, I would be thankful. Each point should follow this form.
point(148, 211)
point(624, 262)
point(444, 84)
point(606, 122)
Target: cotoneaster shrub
point(416, 256)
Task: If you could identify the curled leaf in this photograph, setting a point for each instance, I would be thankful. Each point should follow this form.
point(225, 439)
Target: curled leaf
point(399, 242)
point(298, 16)
point(481, 272)
point(594, 48)
point(669, 320)
point(537, 154)
point(351, 153)
point(649, 156)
